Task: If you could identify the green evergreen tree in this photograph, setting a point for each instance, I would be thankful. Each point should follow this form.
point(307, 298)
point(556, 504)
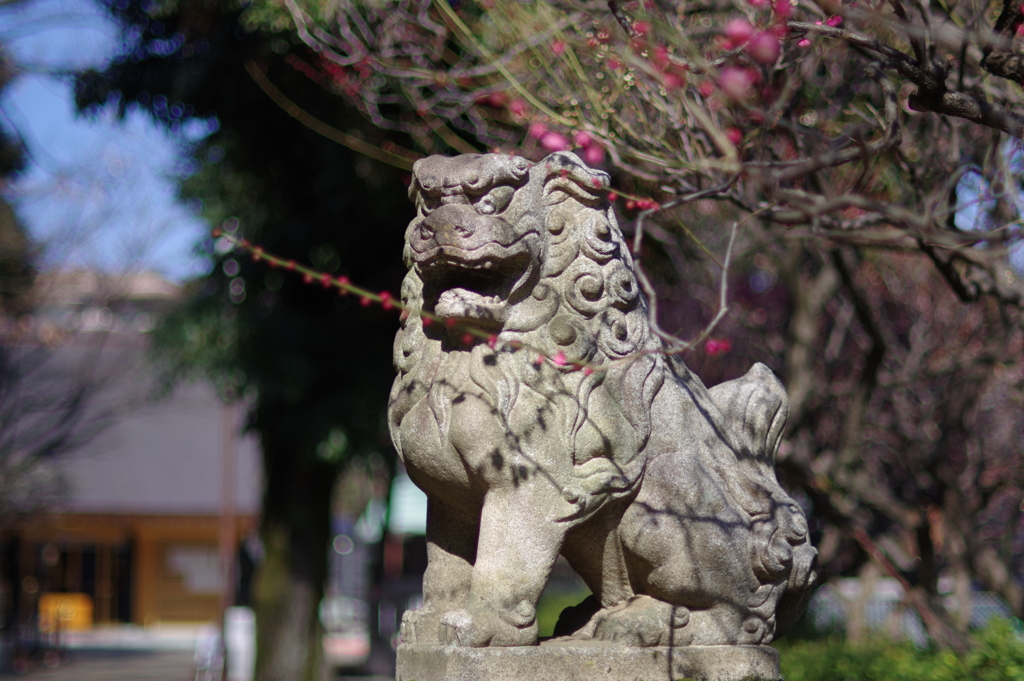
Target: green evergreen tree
point(315, 367)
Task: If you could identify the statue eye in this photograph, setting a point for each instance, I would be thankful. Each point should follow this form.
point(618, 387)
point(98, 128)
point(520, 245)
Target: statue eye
point(428, 203)
point(495, 201)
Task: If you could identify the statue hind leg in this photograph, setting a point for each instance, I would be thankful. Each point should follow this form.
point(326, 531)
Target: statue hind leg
point(688, 543)
point(712, 531)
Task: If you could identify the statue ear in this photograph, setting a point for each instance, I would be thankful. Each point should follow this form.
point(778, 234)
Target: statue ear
point(565, 174)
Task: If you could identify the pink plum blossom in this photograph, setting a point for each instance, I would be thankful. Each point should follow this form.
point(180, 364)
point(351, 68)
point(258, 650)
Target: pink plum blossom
point(494, 99)
point(717, 346)
point(738, 32)
point(660, 57)
point(736, 82)
point(593, 155)
point(552, 141)
point(673, 81)
point(764, 47)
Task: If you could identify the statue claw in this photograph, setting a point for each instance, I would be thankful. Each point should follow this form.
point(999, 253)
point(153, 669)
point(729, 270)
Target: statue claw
point(420, 626)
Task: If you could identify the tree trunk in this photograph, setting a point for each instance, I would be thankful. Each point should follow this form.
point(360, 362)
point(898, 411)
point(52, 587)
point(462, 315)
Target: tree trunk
point(289, 583)
point(288, 627)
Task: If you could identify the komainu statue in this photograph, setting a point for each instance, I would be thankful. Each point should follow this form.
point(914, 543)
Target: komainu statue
point(660, 492)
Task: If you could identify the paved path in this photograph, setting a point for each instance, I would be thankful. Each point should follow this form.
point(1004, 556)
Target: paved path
point(134, 665)
point(120, 665)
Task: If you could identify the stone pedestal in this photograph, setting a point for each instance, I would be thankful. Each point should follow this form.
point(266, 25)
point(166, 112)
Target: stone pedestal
point(569, 660)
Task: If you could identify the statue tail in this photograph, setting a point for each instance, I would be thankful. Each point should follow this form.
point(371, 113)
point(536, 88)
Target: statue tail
point(756, 406)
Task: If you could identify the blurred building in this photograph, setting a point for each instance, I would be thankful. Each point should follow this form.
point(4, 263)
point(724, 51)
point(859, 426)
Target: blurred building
point(148, 504)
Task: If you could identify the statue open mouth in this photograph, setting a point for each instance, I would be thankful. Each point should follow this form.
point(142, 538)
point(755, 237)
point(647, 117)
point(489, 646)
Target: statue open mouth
point(475, 285)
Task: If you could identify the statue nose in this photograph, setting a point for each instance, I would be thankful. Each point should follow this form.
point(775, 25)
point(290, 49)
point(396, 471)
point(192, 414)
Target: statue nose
point(449, 225)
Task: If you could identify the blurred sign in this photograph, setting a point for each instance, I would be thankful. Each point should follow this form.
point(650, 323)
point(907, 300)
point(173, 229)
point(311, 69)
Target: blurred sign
point(65, 611)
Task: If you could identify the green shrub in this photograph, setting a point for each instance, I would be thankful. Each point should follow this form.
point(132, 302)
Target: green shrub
point(997, 655)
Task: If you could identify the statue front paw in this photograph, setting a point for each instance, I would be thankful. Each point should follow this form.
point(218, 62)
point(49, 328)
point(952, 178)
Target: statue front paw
point(482, 626)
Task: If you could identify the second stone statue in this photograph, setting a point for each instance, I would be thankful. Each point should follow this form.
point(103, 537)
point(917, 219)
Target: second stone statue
point(569, 430)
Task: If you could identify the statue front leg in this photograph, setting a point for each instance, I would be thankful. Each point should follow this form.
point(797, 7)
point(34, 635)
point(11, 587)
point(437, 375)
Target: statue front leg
point(517, 547)
point(451, 550)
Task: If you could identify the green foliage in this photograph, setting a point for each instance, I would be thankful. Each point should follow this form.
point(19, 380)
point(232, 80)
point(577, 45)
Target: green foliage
point(198, 341)
point(997, 655)
point(551, 605)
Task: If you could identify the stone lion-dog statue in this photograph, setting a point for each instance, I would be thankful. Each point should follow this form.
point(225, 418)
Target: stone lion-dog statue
point(660, 492)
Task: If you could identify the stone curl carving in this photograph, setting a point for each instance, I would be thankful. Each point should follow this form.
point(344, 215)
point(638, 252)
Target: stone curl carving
point(660, 492)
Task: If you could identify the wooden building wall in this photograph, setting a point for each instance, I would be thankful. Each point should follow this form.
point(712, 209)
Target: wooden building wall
point(146, 569)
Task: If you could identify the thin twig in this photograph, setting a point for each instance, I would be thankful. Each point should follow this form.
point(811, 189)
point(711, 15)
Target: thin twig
point(319, 127)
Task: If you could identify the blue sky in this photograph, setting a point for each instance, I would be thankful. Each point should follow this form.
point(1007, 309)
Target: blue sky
point(96, 192)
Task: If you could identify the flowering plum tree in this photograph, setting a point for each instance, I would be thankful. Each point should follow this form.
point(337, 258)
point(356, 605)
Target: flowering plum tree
point(840, 120)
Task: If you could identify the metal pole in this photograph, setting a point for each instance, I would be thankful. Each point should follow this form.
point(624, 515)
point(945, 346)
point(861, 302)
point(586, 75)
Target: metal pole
point(227, 518)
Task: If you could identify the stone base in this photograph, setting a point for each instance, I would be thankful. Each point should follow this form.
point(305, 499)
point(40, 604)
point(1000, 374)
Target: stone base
point(574, 660)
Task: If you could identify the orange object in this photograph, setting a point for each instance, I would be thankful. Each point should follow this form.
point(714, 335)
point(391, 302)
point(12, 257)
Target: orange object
point(65, 611)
